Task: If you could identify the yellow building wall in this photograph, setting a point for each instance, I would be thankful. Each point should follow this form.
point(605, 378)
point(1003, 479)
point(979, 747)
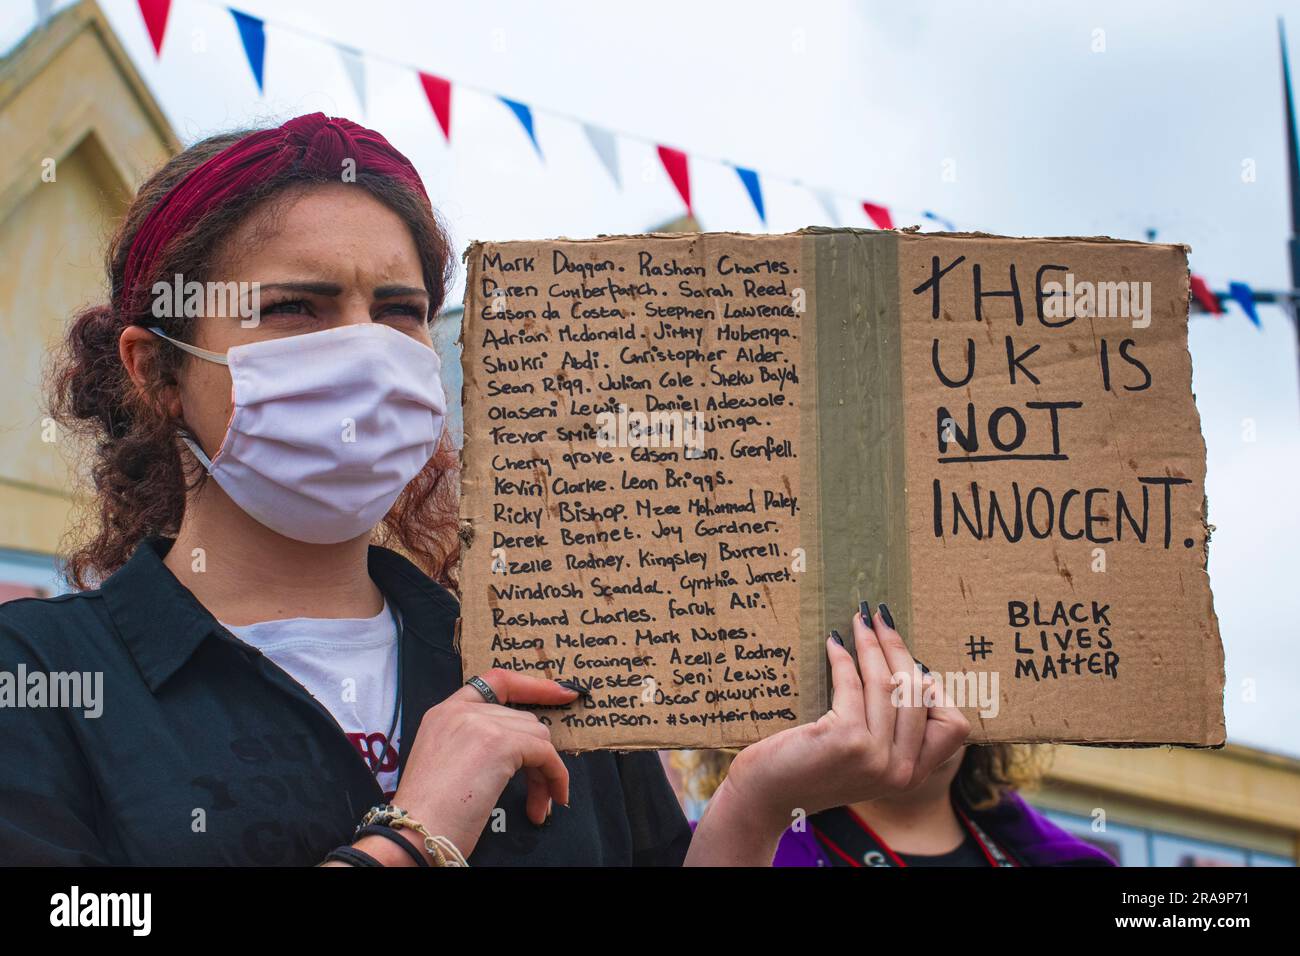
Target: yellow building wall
point(68, 94)
point(1237, 796)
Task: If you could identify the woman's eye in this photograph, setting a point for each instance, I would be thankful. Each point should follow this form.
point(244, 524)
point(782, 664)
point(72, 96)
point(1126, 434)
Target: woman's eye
point(288, 307)
point(405, 313)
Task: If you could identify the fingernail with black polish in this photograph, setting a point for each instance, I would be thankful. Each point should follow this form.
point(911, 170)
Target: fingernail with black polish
point(835, 636)
point(924, 669)
point(864, 608)
point(550, 808)
point(575, 686)
point(886, 616)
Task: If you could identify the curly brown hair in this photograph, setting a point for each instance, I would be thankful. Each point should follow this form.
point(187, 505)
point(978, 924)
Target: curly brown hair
point(141, 472)
point(987, 771)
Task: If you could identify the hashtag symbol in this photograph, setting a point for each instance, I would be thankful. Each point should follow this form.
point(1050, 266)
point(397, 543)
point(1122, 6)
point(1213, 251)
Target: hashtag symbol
point(978, 649)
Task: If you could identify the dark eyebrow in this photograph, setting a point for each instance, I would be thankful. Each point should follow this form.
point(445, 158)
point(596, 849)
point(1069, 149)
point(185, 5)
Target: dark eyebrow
point(331, 289)
point(393, 291)
point(312, 288)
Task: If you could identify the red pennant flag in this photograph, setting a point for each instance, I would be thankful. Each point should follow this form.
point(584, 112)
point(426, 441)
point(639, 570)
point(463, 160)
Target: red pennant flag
point(879, 215)
point(155, 20)
point(674, 161)
point(438, 91)
point(1202, 294)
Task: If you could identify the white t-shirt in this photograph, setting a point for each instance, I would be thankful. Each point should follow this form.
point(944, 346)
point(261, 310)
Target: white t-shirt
point(350, 666)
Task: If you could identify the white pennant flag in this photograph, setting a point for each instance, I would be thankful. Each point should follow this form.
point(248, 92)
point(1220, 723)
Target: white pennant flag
point(827, 199)
point(356, 70)
point(606, 146)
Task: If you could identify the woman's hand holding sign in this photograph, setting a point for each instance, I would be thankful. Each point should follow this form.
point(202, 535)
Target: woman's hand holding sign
point(465, 753)
point(879, 738)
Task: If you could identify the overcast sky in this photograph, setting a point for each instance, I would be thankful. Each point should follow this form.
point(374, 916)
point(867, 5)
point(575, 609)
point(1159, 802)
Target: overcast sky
point(1032, 118)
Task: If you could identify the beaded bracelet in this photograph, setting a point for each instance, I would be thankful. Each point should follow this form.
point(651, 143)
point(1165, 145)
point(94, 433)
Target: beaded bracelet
point(443, 851)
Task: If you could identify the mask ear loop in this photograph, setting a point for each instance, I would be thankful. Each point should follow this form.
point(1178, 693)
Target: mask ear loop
point(209, 356)
point(218, 357)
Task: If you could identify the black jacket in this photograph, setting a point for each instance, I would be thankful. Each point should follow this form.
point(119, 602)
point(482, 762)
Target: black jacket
point(205, 752)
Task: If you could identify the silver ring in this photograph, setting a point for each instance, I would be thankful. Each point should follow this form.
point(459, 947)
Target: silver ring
point(484, 688)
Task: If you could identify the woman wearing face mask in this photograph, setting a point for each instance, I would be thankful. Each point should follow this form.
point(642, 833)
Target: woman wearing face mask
point(269, 616)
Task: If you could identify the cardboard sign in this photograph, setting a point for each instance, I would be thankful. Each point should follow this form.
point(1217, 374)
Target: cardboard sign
point(687, 457)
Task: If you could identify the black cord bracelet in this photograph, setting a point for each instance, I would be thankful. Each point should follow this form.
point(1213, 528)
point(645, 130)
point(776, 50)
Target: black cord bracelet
point(352, 856)
point(389, 833)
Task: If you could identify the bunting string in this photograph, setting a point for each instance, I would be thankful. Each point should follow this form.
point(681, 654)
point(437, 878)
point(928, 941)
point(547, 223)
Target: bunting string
point(604, 140)
point(438, 90)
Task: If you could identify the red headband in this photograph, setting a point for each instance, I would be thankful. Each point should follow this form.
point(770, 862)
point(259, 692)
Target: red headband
point(313, 143)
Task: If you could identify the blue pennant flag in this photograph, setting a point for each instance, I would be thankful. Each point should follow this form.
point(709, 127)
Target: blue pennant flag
point(253, 32)
point(935, 217)
point(1245, 297)
point(750, 179)
point(525, 116)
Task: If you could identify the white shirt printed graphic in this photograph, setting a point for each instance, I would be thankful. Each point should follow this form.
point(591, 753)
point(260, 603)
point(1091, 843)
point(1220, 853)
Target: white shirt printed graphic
point(350, 666)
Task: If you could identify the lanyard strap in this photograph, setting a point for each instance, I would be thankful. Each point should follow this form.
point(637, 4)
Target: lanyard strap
point(397, 703)
point(852, 842)
point(996, 855)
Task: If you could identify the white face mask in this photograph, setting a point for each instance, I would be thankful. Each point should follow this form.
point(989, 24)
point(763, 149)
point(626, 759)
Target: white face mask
point(327, 429)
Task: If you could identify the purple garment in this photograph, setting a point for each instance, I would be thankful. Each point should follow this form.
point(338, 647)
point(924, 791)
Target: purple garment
point(1013, 824)
point(1032, 838)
